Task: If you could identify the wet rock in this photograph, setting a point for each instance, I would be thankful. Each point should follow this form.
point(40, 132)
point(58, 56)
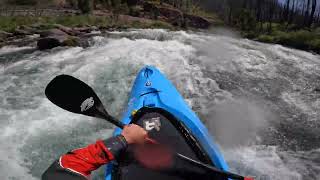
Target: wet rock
point(39, 27)
point(83, 29)
point(196, 21)
point(55, 37)
point(65, 29)
point(173, 16)
point(83, 42)
point(36, 26)
point(28, 29)
point(169, 14)
point(73, 41)
point(21, 32)
point(55, 41)
point(94, 28)
point(103, 28)
point(53, 32)
point(49, 43)
point(4, 34)
point(100, 13)
point(69, 31)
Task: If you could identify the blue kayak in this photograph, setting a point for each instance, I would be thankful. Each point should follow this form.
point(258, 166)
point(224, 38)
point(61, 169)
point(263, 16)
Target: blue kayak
point(156, 105)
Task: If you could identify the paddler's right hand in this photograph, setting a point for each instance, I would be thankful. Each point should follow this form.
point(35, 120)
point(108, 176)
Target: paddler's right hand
point(134, 134)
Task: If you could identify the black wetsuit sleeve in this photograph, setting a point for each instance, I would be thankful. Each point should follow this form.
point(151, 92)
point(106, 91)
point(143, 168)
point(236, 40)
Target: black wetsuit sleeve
point(56, 172)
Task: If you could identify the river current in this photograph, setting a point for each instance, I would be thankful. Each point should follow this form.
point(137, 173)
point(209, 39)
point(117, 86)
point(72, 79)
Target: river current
point(261, 102)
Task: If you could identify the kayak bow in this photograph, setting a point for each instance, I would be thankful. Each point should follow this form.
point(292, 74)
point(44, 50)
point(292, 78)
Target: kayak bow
point(156, 105)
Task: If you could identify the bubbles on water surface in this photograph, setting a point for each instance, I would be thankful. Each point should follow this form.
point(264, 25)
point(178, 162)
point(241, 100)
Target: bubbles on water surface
point(37, 132)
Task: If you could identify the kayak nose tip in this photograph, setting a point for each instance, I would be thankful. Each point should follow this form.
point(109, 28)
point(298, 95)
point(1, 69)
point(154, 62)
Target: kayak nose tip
point(148, 72)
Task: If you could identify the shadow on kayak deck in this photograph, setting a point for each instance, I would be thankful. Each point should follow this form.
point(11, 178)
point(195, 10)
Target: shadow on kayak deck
point(167, 130)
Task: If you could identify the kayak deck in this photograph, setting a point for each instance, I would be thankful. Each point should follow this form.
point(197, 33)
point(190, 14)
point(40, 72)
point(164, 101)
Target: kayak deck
point(154, 101)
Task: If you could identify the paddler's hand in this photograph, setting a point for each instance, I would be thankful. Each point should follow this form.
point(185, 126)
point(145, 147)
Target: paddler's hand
point(134, 134)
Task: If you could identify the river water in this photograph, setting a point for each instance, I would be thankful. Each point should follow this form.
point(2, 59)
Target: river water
point(260, 101)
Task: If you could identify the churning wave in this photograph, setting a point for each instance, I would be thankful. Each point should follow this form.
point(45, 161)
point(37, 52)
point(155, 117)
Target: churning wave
point(260, 101)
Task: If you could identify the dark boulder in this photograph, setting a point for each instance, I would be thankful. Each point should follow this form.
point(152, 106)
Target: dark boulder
point(55, 37)
point(55, 41)
point(48, 43)
point(196, 21)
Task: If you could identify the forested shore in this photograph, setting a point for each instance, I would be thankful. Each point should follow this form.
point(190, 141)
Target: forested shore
point(67, 22)
point(293, 23)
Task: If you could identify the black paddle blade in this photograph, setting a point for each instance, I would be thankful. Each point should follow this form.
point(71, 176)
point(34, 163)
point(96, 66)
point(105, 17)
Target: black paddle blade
point(74, 95)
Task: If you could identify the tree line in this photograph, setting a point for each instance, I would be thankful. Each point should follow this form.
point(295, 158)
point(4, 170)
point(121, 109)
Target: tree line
point(248, 14)
point(87, 5)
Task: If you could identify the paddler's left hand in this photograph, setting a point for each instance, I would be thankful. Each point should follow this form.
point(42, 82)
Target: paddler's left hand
point(134, 134)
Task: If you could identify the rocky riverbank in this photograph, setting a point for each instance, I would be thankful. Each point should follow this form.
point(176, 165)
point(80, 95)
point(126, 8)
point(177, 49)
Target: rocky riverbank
point(73, 29)
point(59, 35)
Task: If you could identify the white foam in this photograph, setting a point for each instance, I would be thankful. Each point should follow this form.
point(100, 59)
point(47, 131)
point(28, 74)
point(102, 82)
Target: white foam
point(36, 132)
point(307, 62)
point(261, 162)
point(39, 126)
point(11, 49)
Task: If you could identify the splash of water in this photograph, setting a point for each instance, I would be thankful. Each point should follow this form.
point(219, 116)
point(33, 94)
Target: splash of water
point(214, 73)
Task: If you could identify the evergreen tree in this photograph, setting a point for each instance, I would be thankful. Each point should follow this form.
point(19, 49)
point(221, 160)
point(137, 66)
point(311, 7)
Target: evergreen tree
point(22, 2)
point(85, 6)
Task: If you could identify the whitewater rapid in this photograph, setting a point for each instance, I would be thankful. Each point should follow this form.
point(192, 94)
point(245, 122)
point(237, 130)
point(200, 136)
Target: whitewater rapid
point(260, 101)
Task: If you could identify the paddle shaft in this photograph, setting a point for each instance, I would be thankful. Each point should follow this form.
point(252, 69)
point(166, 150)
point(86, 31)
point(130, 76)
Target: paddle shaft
point(112, 120)
point(210, 168)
